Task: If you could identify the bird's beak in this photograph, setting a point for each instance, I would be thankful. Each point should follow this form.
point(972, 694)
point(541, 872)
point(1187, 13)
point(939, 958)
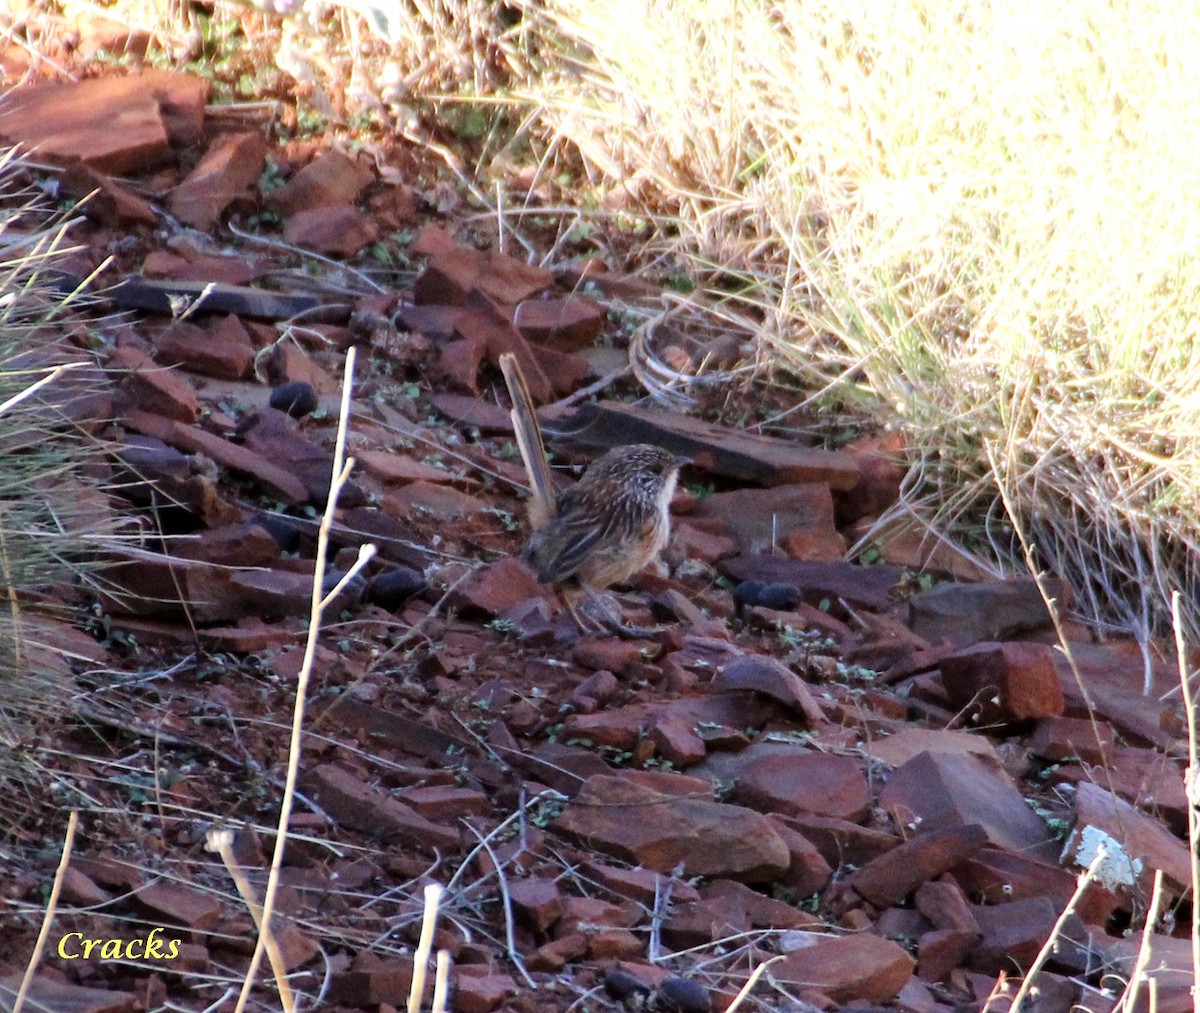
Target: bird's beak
point(683, 460)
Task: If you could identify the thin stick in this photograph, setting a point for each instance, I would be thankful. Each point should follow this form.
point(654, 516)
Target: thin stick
point(1051, 942)
point(221, 841)
point(433, 895)
point(750, 983)
point(441, 982)
point(1129, 1000)
point(341, 471)
point(48, 917)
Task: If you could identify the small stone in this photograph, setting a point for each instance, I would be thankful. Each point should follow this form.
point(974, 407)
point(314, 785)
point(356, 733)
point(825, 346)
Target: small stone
point(296, 398)
point(686, 996)
point(394, 587)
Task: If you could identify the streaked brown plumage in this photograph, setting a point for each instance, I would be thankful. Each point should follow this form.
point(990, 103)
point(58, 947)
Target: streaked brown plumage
point(612, 523)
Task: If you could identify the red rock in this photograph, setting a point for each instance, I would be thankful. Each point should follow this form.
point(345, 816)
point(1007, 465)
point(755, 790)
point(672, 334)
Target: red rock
point(759, 520)
point(1012, 934)
point(355, 804)
point(249, 636)
point(286, 363)
point(180, 905)
point(553, 956)
point(218, 352)
point(536, 902)
point(329, 179)
point(561, 323)
point(114, 124)
point(153, 388)
point(565, 372)
point(78, 889)
point(400, 469)
point(939, 952)
point(900, 747)
point(970, 613)
point(424, 500)
point(638, 824)
point(1142, 838)
point(840, 842)
point(510, 281)
point(108, 203)
point(1114, 679)
point(341, 230)
point(275, 479)
point(1000, 682)
point(807, 872)
point(703, 922)
point(882, 470)
point(443, 802)
point(791, 781)
point(935, 791)
point(945, 905)
point(847, 968)
point(608, 654)
point(245, 544)
point(154, 585)
point(45, 994)
point(674, 737)
point(696, 542)
point(495, 588)
point(448, 277)
point(230, 166)
point(587, 915)
point(821, 583)
point(374, 981)
point(891, 877)
point(766, 675)
point(615, 944)
point(638, 885)
point(1057, 739)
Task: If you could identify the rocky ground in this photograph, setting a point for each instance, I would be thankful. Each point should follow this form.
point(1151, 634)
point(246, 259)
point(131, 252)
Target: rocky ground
point(885, 776)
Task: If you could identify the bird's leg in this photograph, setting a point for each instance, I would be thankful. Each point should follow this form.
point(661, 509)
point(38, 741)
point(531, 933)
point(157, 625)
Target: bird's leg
point(613, 624)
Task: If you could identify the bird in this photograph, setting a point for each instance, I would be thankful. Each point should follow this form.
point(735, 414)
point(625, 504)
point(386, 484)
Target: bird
point(611, 524)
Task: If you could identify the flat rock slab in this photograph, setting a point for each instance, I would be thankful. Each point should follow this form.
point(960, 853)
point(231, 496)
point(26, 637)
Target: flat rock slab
point(895, 874)
point(113, 124)
point(731, 453)
point(819, 582)
point(968, 613)
point(1001, 682)
point(938, 791)
point(899, 748)
point(61, 997)
point(798, 517)
point(792, 782)
point(1144, 839)
point(654, 829)
point(847, 968)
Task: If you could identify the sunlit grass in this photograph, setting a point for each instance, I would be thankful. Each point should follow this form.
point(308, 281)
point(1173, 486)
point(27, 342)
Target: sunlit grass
point(977, 221)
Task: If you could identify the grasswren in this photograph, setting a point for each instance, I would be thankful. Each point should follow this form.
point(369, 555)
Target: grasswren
point(612, 523)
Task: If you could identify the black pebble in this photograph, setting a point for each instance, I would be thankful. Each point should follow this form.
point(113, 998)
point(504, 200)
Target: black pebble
point(621, 984)
point(296, 398)
point(684, 996)
point(773, 596)
point(393, 588)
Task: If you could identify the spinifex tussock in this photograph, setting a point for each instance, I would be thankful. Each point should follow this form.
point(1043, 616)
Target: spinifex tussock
point(974, 221)
point(53, 516)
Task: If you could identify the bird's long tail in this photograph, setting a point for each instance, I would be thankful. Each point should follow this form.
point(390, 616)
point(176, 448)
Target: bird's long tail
point(529, 441)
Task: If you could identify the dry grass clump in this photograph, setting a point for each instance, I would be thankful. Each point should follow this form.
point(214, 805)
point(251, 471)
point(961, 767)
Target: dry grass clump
point(976, 220)
point(52, 516)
